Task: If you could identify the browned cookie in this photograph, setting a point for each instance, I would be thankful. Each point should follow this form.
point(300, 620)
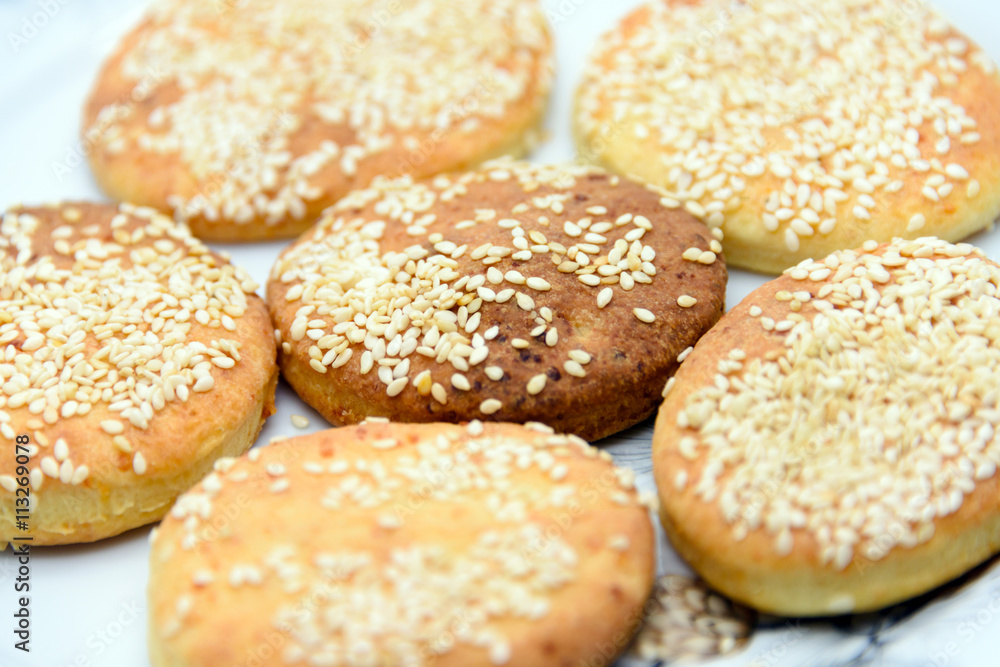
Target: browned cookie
point(800, 127)
point(516, 292)
point(247, 118)
point(132, 358)
point(831, 445)
point(398, 544)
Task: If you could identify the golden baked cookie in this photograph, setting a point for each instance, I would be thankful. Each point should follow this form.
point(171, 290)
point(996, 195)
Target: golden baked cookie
point(830, 446)
point(248, 118)
point(132, 358)
point(404, 545)
point(516, 293)
point(799, 127)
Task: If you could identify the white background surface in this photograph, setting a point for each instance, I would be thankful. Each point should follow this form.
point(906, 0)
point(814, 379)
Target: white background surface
point(88, 602)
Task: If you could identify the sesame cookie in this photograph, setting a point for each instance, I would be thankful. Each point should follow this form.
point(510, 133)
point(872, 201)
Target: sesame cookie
point(799, 127)
point(404, 545)
point(132, 358)
point(247, 118)
point(830, 446)
point(515, 292)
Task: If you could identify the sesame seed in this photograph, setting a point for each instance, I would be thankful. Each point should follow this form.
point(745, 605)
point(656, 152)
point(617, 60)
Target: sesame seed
point(644, 315)
point(537, 384)
point(619, 543)
point(684, 301)
point(396, 386)
point(299, 421)
point(60, 450)
point(957, 172)
point(112, 427)
point(916, 223)
point(490, 406)
point(667, 387)
point(538, 284)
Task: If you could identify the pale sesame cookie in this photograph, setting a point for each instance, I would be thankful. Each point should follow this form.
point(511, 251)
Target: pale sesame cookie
point(831, 445)
point(246, 118)
point(515, 293)
point(394, 545)
point(800, 127)
point(131, 357)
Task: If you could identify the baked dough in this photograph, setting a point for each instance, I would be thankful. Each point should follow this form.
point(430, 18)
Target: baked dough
point(830, 446)
point(401, 544)
point(515, 293)
point(799, 127)
point(248, 119)
point(132, 358)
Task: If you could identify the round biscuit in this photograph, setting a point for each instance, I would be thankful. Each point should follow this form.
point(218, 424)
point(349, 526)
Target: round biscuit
point(831, 445)
point(798, 127)
point(247, 119)
point(132, 357)
point(514, 293)
point(402, 544)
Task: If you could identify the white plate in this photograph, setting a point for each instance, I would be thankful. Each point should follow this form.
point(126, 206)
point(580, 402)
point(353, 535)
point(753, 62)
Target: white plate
point(88, 602)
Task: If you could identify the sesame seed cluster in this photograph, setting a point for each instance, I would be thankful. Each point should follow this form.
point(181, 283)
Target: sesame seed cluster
point(787, 122)
point(867, 411)
point(107, 315)
point(685, 621)
point(446, 547)
point(272, 107)
point(396, 284)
